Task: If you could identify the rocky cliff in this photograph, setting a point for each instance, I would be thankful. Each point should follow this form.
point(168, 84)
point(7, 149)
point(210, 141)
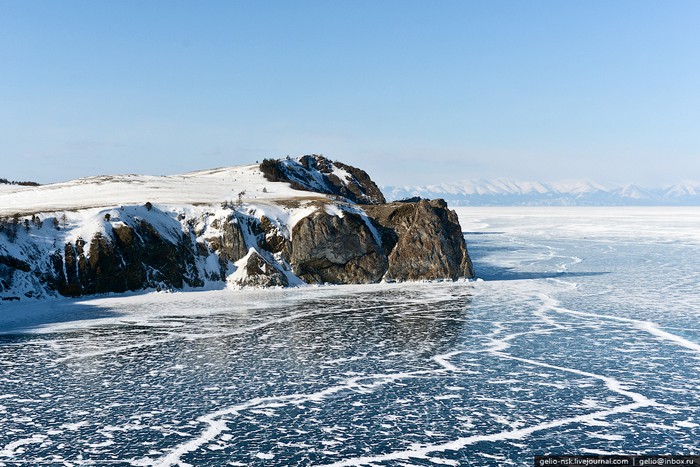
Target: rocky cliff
point(316, 173)
point(285, 222)
point(422, 240)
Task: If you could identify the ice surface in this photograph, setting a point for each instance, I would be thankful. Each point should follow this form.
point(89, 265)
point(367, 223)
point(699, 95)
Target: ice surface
point(583, 337)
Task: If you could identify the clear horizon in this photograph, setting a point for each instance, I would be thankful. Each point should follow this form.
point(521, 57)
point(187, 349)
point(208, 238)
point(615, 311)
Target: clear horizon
point(415, 93)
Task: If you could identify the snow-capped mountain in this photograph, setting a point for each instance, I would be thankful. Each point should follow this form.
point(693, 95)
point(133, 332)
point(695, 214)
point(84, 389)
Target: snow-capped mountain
point(501, 192)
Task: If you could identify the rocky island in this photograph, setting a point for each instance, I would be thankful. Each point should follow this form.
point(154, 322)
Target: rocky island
point(279, 223)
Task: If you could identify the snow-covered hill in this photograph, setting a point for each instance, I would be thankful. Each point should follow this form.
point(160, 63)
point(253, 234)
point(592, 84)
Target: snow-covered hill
point(579, 193)
point(206, 187)
point(284, 222)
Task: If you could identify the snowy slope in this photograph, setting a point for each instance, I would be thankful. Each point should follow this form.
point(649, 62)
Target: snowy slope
point(501, 192)
point(40, 224)
point(196, 188)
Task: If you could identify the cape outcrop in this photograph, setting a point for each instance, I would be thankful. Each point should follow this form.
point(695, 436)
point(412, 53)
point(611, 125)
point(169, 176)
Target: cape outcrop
point(338, 230)
point(423, 240)
point(316, 173)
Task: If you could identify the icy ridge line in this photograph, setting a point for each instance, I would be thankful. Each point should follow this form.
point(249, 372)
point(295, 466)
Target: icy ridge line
point(501, 192)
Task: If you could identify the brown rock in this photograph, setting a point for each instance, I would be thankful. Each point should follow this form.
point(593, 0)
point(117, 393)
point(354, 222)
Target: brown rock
point(134, 257)
point(230, 246)
point(428, 240)
point(336, 250)
point(315, 173)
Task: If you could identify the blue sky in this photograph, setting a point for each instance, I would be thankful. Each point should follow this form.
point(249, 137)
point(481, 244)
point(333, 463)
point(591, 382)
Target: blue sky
point(412, 91)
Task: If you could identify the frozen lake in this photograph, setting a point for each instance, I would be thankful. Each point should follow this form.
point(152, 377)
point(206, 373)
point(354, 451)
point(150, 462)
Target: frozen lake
point(583, 337)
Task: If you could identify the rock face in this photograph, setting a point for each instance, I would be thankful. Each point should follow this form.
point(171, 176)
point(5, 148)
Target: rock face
point(228, 244)
point(423, 240)
point(126, 253)
point(337, 250)
point(318, 174)
point(393, 242)
point(255, 271)
point(350, 237)
point(130, 258)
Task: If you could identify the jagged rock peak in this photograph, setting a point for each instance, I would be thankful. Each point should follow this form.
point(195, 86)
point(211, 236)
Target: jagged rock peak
point(317, 173)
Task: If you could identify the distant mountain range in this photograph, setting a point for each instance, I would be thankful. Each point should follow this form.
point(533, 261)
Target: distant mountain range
point(581, 193)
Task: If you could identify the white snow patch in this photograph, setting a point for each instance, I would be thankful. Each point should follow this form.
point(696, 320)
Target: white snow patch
point(11, 449)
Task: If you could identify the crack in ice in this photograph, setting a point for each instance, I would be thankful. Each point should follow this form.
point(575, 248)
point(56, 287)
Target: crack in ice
point(218, 424)
point(647, 326)
point(191, 337)
point(459, 443)
point(496, 347)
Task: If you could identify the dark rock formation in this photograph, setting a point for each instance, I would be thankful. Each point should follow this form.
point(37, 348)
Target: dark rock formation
point(258, 272)
point(230, 246)
point(336, 250)
point(423, 240)
point(133, 257)
point(8, 266)
point(318, 174)
point(417, 240)
point(14, 263)
point(270, 238)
